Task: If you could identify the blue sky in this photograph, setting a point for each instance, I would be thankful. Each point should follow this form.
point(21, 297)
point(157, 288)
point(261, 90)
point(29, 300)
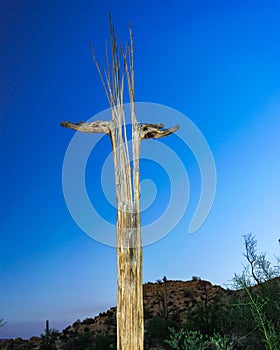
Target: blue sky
point(216, 62)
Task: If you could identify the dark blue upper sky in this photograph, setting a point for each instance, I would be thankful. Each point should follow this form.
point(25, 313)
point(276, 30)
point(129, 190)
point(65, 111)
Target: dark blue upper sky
point(217, 62)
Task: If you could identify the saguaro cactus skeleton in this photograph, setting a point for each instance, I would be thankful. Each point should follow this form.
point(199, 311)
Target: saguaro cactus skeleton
point(130, 321)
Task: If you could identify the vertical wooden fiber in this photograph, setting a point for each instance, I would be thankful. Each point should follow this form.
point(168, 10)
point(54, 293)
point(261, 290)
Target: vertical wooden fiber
point(130, 316)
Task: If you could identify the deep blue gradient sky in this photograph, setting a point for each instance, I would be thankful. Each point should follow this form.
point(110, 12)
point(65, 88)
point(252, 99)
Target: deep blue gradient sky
point(215, 61)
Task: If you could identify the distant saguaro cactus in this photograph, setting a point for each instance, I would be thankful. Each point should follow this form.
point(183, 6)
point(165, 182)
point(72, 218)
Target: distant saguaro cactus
point(48, 339)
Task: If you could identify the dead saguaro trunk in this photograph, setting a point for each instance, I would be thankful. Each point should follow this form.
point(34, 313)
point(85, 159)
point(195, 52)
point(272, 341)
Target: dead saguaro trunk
point(130, 319)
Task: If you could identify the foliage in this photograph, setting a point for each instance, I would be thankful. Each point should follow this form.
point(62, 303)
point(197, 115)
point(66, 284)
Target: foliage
point(48, 339)
point(262, 301)
point(205, 317)
point(220, 342)
point(205, 314)
point(79, 342)
point(244, 319)
point(88, 321)
point(105, 342)
point(251, 316)
point(194, 340)
point(188, 293)
point(110, 320)
point(156, 332)
point(185, 340)
point(76, 323)
point(196, 278)
point(87, 341)
point(259, 269)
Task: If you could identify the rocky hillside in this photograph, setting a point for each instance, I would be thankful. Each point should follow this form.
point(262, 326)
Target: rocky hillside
point(165, 299)
point(165, 303)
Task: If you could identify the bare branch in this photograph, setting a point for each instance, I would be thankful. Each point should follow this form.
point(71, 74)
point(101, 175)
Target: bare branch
point(102, 127)
point(251, 254)
point(155, 131)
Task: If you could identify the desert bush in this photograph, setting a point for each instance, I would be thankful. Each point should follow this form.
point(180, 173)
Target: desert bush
point(76, 323)
point(105, 342)
point(196, 278)
point(88, 321)
point(261, 297)
point(110, 320)
point(156, 332)
point(194, 340)
point(79, 342)
point(48, 339)
point(188, 293)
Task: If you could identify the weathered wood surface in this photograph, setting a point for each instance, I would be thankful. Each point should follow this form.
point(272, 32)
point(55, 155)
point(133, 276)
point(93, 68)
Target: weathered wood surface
point(147, 131)
point(102, 127)
point(155, 131)
point(130, 315)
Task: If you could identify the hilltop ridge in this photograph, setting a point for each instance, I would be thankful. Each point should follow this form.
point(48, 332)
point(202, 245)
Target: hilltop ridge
point(166, 303)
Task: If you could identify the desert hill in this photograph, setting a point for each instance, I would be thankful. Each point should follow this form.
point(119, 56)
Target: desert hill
point(166, 303)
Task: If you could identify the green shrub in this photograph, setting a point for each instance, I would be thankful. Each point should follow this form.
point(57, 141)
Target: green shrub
point(263, 300)
point(156, 332)
point(194, 340)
